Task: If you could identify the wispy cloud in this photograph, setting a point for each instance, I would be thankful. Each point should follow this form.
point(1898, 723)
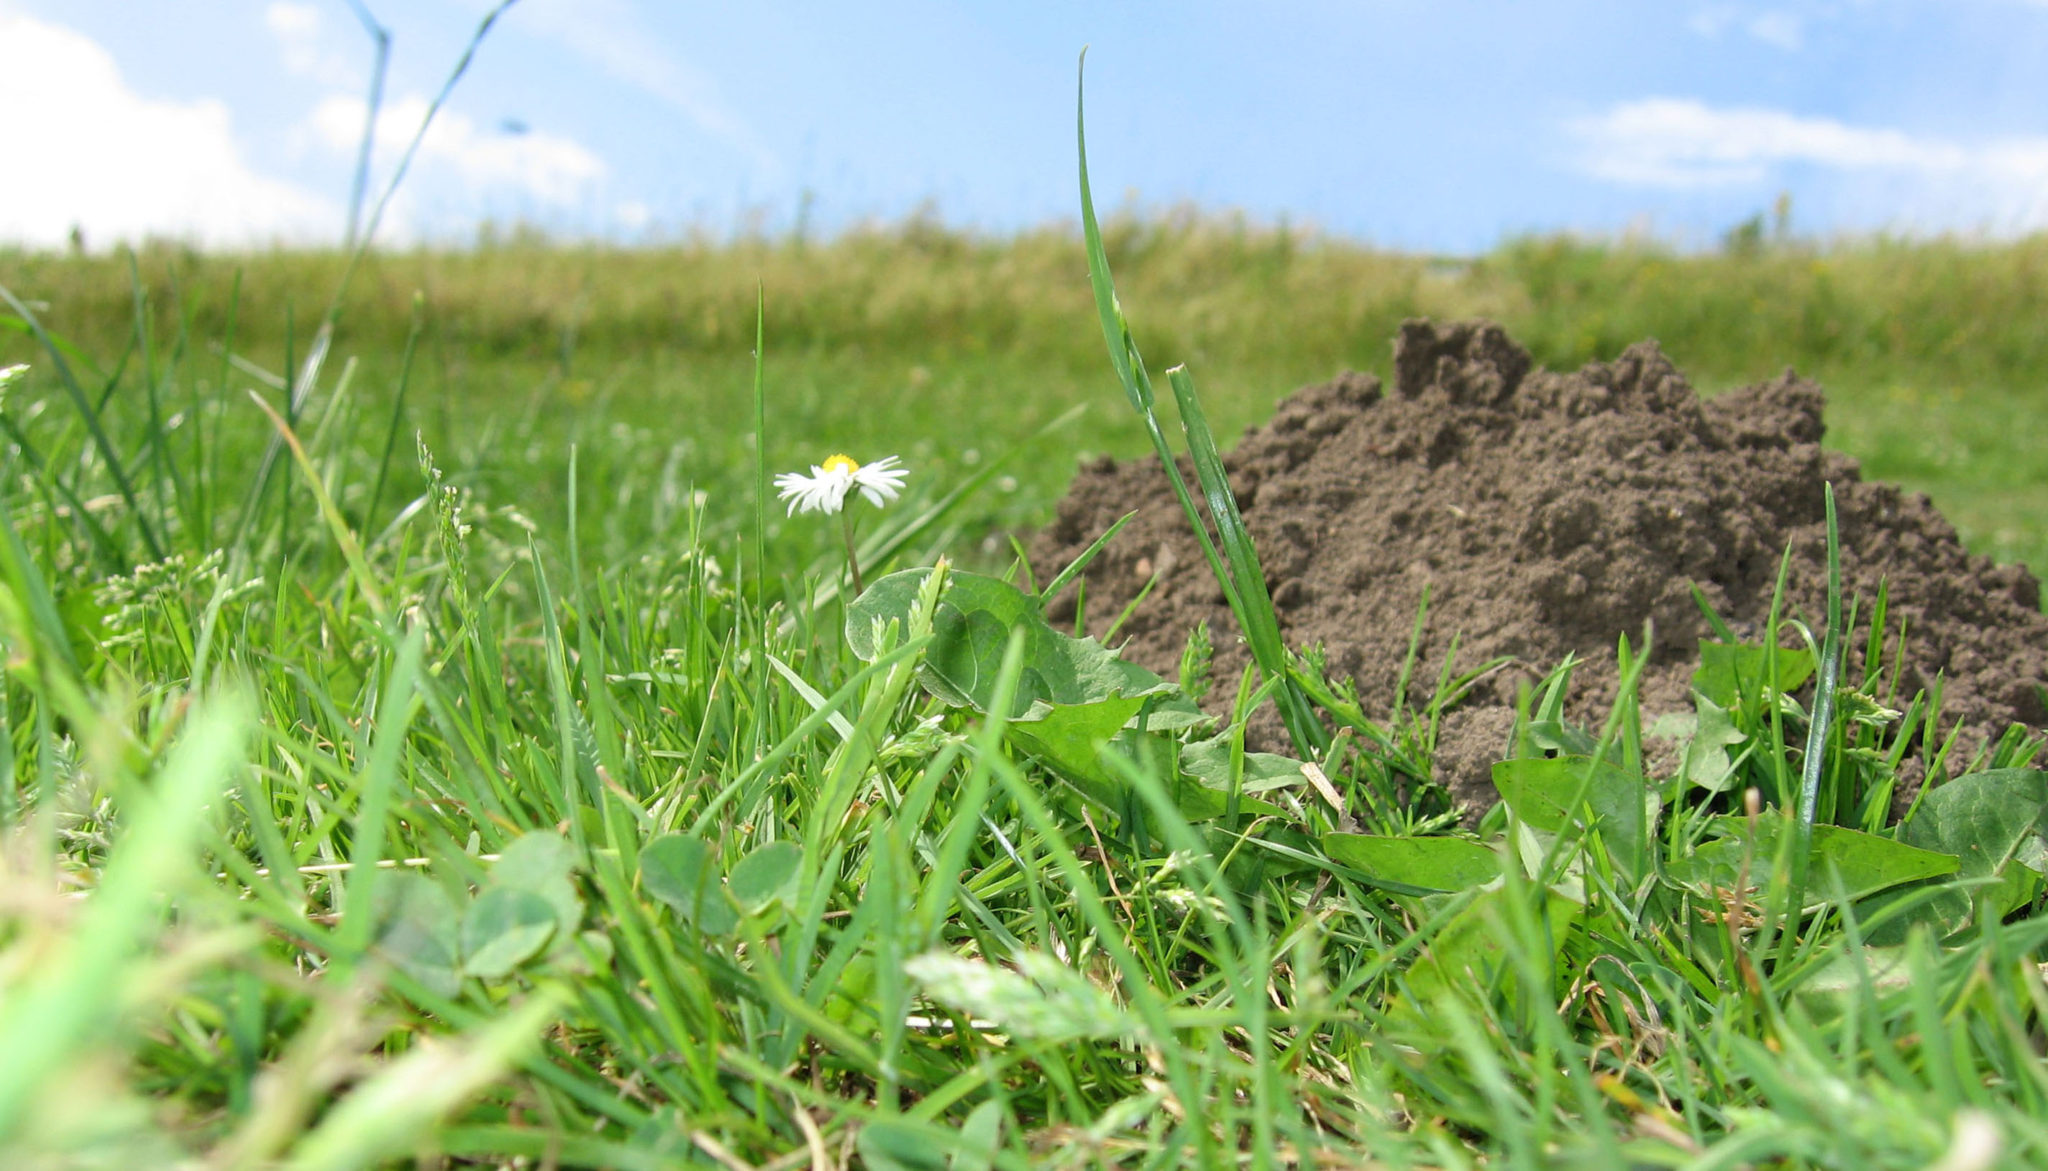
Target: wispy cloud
point(307, 47)
point(1677, 142)
point(1776, 27)
point(610, 35)
point(120, 166)
point(547, 168)
point(1681, 143)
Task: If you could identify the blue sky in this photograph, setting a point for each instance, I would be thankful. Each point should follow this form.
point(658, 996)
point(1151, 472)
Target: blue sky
point(1442, 125)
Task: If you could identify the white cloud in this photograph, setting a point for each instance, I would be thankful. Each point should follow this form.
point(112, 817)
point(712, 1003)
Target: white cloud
point(83, 149)
point(1934, 182)
point(1775, 27)
point(546, 168)
point(307, 47)
point(1781, 30)
point(633, 216)
point(1677, 142)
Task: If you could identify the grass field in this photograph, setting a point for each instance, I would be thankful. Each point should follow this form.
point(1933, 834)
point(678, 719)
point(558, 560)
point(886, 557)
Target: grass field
point(930, 342)
point(489, 774)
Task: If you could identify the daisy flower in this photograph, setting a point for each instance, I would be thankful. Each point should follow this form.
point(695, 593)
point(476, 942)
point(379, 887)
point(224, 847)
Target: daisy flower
point(830, 483)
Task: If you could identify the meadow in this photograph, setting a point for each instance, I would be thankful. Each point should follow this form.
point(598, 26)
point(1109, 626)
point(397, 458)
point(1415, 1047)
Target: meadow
point(457, 755)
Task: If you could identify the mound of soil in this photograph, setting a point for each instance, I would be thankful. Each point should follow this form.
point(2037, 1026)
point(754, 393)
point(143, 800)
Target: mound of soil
point(1549, 514)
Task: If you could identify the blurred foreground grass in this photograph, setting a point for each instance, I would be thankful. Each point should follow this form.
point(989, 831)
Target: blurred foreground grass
point(948, 346)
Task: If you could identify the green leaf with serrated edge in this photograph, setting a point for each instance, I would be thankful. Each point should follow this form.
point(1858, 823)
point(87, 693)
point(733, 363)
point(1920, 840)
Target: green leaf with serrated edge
point(970, 632)
point(1992, 822)
point(1541, 792)
point(1173, 713)
point(503, 929)
point(1209, 762)
point(1070, 740)
point(682, 871)
point(1415, 865)
point(1729, 671)
point(1707, 763)
point(1866, 863)
point(767, 874)
point(421, 931)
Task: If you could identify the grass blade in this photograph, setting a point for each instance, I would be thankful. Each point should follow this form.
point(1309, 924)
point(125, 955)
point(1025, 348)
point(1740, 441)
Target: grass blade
point(1821, 727)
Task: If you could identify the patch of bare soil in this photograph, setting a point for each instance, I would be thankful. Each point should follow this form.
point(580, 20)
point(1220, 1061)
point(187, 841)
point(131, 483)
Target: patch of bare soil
point(1549, 513)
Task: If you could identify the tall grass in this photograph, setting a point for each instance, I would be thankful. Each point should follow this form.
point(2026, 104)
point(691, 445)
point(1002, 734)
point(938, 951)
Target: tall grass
point(915, 333)
point(496, 779)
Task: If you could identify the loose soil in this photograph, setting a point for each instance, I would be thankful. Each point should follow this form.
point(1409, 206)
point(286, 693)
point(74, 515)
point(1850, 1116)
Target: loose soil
point(1548, 514)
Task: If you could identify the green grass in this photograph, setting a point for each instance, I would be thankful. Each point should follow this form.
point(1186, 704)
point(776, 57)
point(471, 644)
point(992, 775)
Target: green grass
point(929, 342)
point(388, 808)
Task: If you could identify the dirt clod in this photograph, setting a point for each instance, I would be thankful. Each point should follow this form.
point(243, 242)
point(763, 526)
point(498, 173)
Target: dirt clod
point(1549, 514)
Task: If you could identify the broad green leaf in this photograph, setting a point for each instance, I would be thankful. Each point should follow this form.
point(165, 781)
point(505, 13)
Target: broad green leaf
point(981, 1136)
point(1209, 761)
point(542, 863)
point(888, 1145)
point(1839, 984)
point(1992, 822)
point(1073, 697)
point(767, 874)
point(421, 931)
point(682, 871)
point(1172, 713)
point(970, 631)
point(1866, 863)
point(1707, 763)
point(1415, 865)
point(503, 929)
point(1468, 959)
point(1541, 792)
point(1070, 739)
point(1730, 671)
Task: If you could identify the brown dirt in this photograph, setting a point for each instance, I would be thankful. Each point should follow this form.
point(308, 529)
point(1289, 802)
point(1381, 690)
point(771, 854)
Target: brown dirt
point(1549, 514)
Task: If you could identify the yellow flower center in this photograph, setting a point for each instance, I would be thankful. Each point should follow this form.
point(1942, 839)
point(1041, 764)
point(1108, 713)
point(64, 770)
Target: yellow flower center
point(841, 463)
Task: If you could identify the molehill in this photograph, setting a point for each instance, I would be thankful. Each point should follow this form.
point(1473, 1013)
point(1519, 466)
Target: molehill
point(1548, 514)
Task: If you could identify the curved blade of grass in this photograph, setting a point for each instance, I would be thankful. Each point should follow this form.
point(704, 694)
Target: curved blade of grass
point(1255, 610)
point(351, 549)
point(1822, 724)
point(1123, 350)
point(1074, 567)
point(90, 415)
point(1242, 579)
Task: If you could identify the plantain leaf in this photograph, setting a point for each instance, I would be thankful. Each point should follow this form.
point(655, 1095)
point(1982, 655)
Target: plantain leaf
point(1415, 865)
point(1866, 863)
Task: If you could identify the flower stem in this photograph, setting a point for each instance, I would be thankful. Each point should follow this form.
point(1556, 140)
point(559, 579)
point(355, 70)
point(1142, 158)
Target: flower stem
point(852, 560)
